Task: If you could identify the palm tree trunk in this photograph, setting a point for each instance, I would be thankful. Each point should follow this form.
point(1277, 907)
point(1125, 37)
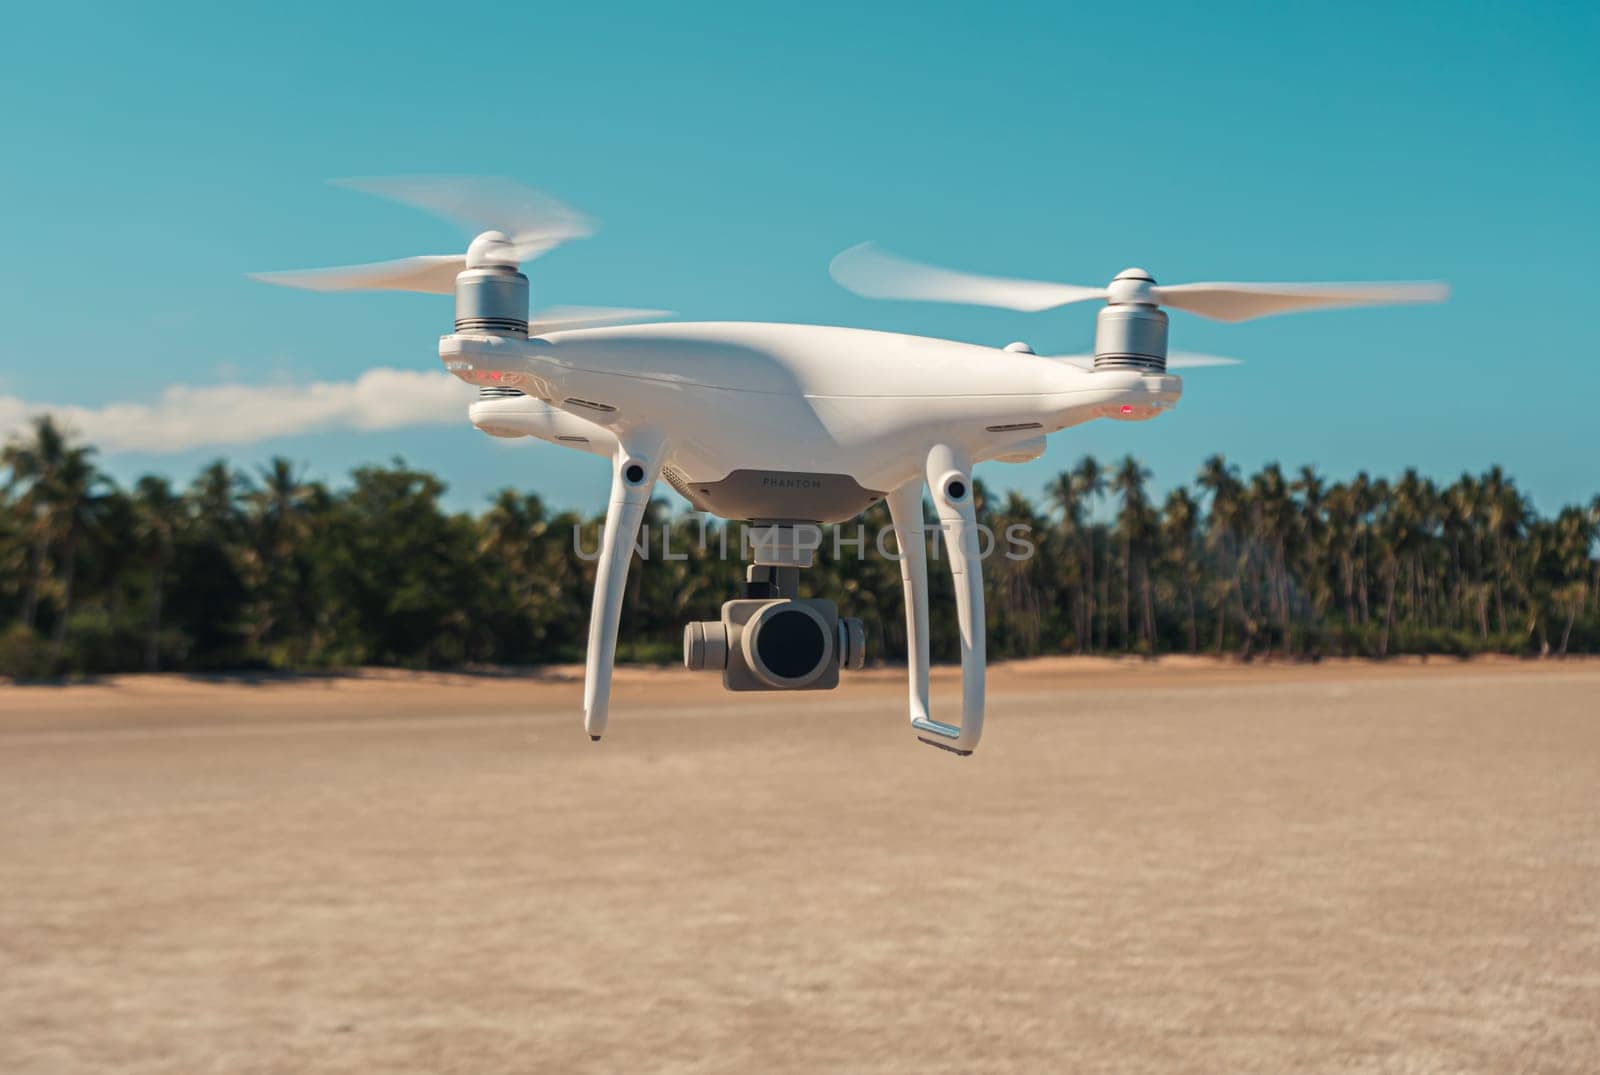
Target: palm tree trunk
point(1348, 570)
point(152, 645)
point(41, 560)
point(1090, 606)
point(1280, 568)
point(1188, 594)
point(1082, 617)
point(1247, 624)
point(1127, 594)
point(69, 569)
point(1361, 590)
point(1388, 610)
point(1102, 605)
point(1499, 573)
point(1222, 620)
point(1149, 611)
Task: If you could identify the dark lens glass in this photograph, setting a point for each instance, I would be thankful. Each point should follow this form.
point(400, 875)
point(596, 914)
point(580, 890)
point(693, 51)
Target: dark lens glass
point(790, 644)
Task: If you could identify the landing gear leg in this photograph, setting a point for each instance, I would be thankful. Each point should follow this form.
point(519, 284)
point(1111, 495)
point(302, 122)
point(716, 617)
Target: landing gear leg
point(634, 469)
point(949, 477)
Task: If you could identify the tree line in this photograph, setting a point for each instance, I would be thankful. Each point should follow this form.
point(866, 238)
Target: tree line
point(269, 570)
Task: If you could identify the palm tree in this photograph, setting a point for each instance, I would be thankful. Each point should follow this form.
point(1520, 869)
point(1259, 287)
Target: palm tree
point(1066, 496)
point(1018, 580)
point(1274, 524)
point(1576, 531)
point(1220, 479)
point(1505, 516)
point(61, 492)
point(1314, 563)
point(1366, 496)
point(157, 511)
point(1459, 504)
point(511, 533)
point(1398, 531)
point(1594, 586)
point(1340, 523)
point(280, 516)
point(286, 571)
point(15, 559)
point(32, 464)
point(1133, 523)
point(1180, 519)
point(1090, 479)
point(78, 497)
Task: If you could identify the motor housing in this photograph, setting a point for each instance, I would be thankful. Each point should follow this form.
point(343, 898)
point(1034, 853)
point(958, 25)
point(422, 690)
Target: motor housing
point(1131, 336)
point(492, 300)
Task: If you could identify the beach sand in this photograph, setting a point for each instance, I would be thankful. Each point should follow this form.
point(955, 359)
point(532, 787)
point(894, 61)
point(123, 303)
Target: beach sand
point(1147, 866)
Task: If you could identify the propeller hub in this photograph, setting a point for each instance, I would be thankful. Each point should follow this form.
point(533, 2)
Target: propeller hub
point(491, 248)
point(1132, 286)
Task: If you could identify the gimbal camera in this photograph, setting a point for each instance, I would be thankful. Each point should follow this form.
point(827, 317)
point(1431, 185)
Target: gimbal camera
point(770, 639)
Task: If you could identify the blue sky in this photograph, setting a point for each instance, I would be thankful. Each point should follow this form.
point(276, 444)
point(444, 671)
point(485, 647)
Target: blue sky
point(157, 155)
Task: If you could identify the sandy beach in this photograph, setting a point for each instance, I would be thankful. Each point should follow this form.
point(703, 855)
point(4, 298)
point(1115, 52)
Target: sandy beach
point(1148, 866)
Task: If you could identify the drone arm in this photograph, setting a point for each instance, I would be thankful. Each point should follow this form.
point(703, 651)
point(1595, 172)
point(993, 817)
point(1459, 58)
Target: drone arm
point(950, 479)
point(634, 468)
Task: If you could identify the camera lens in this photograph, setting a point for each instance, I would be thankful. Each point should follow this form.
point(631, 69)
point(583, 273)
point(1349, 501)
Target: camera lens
point(791, 644)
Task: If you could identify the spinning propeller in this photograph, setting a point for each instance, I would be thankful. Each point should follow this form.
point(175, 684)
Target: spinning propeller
point(513, 224)
point(878, 274)
point(1132, 330)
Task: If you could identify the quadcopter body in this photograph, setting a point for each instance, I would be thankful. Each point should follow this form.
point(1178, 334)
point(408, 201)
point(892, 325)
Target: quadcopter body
point(792, 426)
point(788, 423)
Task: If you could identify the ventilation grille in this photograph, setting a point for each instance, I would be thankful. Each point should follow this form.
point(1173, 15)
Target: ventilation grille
point(676, 480)
point(1013, 427)
point(604, 408)
point(498, 392)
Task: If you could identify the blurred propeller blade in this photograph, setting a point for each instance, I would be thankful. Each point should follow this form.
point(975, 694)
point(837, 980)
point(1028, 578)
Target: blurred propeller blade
point(561, 318)
point(1243, 302)
point(532, 220)
point(529, 223)
point(431, 273)
point(1188, 360)
point(877, 274)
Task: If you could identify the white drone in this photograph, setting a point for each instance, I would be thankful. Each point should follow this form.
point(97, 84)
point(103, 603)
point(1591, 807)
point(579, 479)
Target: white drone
point(792, 426)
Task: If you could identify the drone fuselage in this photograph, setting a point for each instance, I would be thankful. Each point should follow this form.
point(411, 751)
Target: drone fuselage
point(774, 422)
point(783, 425)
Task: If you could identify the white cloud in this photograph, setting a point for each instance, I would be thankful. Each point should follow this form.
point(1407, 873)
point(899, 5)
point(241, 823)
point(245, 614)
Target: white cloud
point(195, 417)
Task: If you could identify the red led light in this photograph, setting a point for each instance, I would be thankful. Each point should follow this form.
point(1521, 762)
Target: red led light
point(1127, 408)
point(496, 375)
